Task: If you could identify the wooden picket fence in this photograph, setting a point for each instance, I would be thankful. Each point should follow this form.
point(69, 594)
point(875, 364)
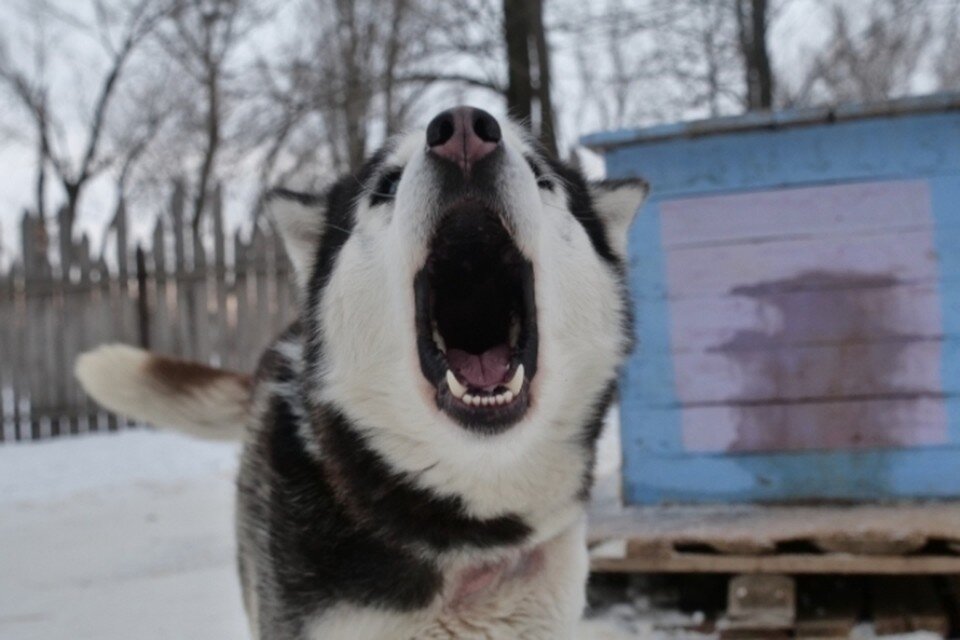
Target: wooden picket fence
point(200, 293)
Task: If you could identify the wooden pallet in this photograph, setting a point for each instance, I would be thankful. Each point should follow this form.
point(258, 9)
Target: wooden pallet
point(889, 539)
point(812, 607)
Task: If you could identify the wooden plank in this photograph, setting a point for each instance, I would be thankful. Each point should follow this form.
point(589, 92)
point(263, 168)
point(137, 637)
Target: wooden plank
point(162, 329)
point(6, 348)
point(123, 330)
point(183, 344)
point(873, 369)
point(107, 327)
point(221, 316)
point(143, 299)
point(87, 302)
point(755, 634)
point(763, 601)
point(783, 563)
point(869, 543)
point(261, 286)
point(286, 301)
point(57, 369)
point(844, 424)
point(198, 300)
point(18, 379)
point(243, 307)
point(860, 261)
point(818, 211)
point(28, 368)
point(884, 313)
point(73, 314)
point(38, 272)
point(665, 529)
point(680, 539)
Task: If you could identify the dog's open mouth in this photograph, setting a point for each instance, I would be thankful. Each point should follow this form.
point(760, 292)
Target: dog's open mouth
point(476, 320)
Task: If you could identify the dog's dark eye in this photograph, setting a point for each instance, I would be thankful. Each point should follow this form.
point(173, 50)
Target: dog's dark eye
point(543, 182)
point(386, 188)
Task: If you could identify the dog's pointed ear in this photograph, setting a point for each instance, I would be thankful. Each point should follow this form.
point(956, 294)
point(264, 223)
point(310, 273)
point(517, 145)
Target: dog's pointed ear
point(617, 203)
point(299, 218)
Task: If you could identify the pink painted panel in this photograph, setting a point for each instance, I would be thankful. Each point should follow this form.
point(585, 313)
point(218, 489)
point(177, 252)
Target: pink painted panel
point(908, 310)
point(803, 212)
point(846, 425)
point(808, 263)
point(810, 373)
point(788, 334)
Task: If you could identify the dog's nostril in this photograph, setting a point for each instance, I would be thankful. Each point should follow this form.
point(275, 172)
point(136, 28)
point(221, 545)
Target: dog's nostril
point(440, 129)
point(486, 126)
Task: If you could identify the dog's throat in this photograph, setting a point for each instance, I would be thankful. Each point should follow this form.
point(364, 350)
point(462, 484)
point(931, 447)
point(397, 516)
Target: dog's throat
point(475, 582)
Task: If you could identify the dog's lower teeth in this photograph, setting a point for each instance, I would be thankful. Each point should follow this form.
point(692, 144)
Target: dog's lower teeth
point(438, 340)
point(502, 398)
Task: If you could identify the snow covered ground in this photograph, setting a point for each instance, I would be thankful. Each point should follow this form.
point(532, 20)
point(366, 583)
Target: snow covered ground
point(118, 536)
point(129, 536)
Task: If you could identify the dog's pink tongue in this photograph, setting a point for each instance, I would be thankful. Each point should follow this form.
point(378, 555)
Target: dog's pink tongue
point(483, 371)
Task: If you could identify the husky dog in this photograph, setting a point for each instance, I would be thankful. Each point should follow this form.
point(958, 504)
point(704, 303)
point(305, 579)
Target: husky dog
point(419, 445)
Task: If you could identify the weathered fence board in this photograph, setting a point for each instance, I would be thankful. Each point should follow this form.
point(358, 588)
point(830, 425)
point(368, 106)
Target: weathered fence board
point(179, 294)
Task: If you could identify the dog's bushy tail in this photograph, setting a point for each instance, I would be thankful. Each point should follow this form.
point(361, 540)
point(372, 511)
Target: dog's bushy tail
point(185, 396)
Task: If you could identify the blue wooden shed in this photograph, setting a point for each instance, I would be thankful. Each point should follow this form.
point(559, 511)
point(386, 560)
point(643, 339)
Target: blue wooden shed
point(797, 288)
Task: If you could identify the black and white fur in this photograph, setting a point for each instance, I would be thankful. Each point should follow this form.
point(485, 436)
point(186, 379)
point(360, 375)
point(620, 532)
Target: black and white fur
point(365, 510)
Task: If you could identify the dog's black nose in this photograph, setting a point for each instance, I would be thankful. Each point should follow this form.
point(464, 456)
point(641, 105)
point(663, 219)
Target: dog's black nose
point(463, 135)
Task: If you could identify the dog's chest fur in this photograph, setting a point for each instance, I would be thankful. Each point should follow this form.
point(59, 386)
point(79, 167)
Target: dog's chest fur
point(535, 594)
point(332, 537)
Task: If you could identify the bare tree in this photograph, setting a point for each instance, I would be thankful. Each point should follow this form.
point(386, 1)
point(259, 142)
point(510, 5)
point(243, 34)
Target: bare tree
point(946, 64)
point(752, 24)
point(658, 60)
point(202, 37)
point(873, 60)
point(351, 77)
point(119, 30)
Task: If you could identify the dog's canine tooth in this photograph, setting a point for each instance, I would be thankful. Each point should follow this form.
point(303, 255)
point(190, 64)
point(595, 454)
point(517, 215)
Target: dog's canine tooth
point(457, 389)
point(508, 396)
point(516, 383)
point(438, 339)
point(514, 332)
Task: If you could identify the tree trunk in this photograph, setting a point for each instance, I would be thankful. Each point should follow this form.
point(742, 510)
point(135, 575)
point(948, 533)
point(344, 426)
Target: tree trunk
point(391, 111)
point(213, 144)
point(72, 190)
point(548, 134)
point(752, 29)
point(528, 69)
point(41, 186)
point(516, 31)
